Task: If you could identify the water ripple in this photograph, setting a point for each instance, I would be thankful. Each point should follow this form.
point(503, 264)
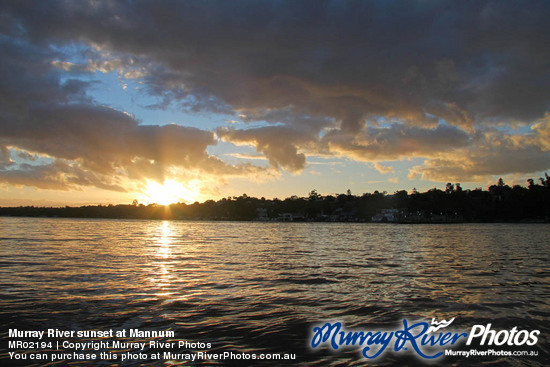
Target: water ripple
point(259, 287)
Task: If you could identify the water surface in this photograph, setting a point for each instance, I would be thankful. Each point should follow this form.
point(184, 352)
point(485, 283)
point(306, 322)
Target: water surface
point(260, 287)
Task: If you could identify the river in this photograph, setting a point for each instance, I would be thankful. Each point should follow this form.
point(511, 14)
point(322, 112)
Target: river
point(260, 288)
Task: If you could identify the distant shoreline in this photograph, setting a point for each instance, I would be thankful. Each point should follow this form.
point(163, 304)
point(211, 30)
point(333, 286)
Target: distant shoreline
point(499, 204)
point(527, 221)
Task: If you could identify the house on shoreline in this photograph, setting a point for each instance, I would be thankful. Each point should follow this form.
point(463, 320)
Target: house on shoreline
point(402, 216)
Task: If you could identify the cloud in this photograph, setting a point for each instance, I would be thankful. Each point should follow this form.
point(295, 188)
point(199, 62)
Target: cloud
point(106, 143)
point(456, 61)
point(83, 143)
point(395, 142)
point(105, 140)
point(492, 153)
point(5, 157)
point(382, 169)
point(246, 156)
point(277, 143)
point(58, 175)
point(367, 80)
point(541, 132)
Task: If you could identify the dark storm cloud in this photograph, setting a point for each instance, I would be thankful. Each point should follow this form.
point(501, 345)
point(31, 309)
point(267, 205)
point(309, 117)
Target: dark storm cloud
point(347, 60)
point(344, 64)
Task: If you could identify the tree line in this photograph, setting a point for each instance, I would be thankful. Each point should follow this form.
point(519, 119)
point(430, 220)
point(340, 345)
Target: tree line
point(499, 203)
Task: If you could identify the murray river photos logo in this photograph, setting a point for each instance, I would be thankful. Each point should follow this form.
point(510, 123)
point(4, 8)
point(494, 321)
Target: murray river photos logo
point(428, 341)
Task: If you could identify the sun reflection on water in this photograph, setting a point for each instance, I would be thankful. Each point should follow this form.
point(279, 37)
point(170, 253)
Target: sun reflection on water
point(165, 240)
point(161, 271)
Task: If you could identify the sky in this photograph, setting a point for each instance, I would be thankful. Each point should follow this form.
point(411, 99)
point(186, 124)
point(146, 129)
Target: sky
point(107, 102)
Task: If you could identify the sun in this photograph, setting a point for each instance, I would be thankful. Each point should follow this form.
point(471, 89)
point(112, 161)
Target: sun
point(169, 192)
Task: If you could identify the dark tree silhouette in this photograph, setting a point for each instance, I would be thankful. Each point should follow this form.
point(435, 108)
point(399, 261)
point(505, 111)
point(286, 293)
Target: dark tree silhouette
point(499, 203)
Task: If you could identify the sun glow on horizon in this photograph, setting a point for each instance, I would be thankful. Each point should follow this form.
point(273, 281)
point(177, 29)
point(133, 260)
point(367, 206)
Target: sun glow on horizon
point(170, 192)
